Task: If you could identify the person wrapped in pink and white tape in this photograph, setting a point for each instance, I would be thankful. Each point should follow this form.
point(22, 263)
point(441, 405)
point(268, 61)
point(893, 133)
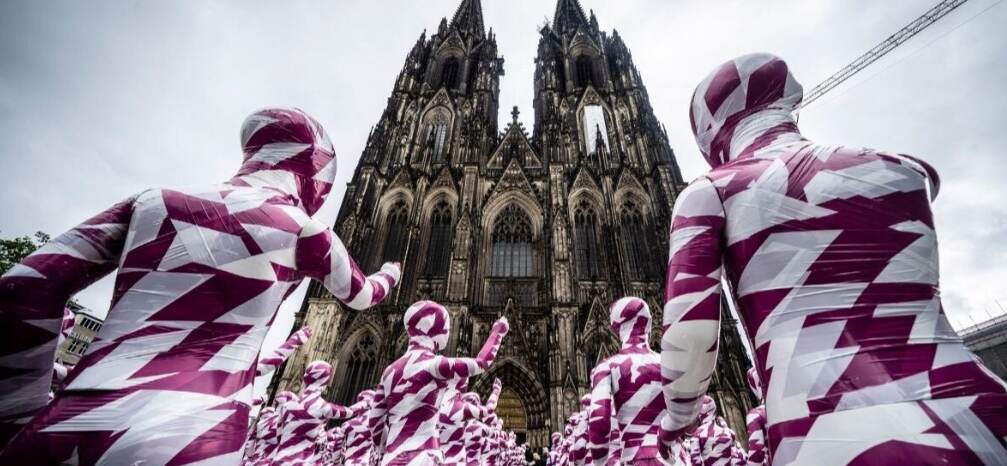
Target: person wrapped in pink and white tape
point(456, 412)
point(405, 413)
point(358, 442)
point(624, 418)
point(200, 274)
point(304, 418)
point(831, 258)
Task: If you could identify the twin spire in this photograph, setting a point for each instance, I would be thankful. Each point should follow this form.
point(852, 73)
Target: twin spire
point(468, 19)
point(569, 14)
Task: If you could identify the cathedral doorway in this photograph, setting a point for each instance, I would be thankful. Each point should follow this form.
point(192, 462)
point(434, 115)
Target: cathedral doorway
point(523, 406)
point(511, 411)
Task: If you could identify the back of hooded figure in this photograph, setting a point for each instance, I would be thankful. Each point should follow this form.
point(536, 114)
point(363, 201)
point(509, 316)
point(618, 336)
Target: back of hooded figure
point(201, 273)
point(405, 414)
point(831, 255)
point(626, 402)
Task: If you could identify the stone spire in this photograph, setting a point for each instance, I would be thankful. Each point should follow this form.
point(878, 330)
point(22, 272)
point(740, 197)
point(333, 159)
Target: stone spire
point(569, 15)
point(468, 19)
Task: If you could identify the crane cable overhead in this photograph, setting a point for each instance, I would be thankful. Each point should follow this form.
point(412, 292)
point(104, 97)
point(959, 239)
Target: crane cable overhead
point(900, 37)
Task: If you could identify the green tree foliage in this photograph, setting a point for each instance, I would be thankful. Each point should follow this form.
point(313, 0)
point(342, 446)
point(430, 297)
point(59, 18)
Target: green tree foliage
point(14, 250)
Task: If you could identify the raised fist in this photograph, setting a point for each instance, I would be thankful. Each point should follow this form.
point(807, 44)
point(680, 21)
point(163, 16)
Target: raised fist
point(392, 268)
point(501, 325)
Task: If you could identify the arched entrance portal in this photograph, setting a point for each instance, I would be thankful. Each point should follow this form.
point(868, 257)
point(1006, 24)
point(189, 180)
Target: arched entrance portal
point(511, 411)
point(523, 406)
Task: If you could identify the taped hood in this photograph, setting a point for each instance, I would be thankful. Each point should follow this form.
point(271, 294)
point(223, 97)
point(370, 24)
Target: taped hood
point(708, 409)
point(287, 149)
point(746, 104)
point(427, 325)
point(630, 319)
point(317, 375)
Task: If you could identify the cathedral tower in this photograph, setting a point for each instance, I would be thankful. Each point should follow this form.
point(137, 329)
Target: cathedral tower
point(546, 227)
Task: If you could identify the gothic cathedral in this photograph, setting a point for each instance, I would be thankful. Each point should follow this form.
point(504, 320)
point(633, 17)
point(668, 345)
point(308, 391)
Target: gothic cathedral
point(546, 228)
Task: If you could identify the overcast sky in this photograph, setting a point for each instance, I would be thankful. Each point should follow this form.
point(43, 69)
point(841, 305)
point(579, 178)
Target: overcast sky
point(102, 99)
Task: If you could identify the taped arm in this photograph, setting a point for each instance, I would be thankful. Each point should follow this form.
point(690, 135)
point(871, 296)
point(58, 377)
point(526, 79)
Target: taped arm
point(491, 401)
point(691, 326)
point(33, 295)
point(321, 255)
point(269, 363)
point(600, 415)
point(449, 368)
point(326, 410)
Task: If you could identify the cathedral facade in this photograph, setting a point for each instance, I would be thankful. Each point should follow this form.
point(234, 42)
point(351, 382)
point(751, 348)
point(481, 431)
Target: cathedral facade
point(546, 227)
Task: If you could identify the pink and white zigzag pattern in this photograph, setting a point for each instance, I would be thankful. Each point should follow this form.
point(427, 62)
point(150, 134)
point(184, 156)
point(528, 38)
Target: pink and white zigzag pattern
point(201, 272)
point(405, 413)
point(831, 255)
point(269, 363)
point(626, 400)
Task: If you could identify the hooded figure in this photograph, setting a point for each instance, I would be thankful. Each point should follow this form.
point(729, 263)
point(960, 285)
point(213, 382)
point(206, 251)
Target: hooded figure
point(626, 402)
point(456, 413)
point(755, 421)
point(358, 444)
point(266, 433)
point(304, 418)
point(831, 255)
point(406, 411)
point(201, 272)
point(714, 442)
point(556, 439)
point(577, 440)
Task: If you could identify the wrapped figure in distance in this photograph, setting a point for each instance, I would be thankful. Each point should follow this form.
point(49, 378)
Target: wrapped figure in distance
point(405, 413)
point(303, 424)
point(626, 401)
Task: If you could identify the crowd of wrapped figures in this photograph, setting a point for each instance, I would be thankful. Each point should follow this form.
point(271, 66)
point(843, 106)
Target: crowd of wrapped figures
point(830, 255)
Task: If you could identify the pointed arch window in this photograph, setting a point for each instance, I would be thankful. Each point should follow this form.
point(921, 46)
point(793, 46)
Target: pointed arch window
point(585, 239)
point(437, 134)
point(439, 245)
point(634, 240)
point(397, 232)
point(585, 71)
point(362, 364)
point(512, 250)
point(594, 124)
point(449, 72)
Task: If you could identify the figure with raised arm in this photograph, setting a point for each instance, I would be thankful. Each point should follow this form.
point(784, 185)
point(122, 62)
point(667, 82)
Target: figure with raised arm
point(405, 416)
point(358, 446)
point(624, 417)
point(265, 435)
point(201, 273)
point(455, 416)
point(831, 257)
point(270, 362)
point(304, 418)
